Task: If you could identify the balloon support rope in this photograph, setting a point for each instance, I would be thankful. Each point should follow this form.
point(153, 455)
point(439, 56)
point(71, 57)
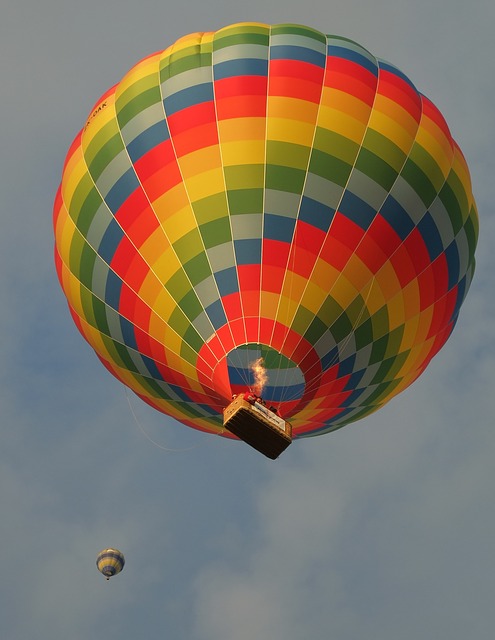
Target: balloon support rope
point(157, 444)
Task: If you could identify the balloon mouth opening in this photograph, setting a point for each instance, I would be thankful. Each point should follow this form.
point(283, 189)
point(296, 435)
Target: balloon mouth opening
point(266, 371)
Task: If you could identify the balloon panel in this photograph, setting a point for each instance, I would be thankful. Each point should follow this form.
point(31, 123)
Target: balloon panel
point(266, 192)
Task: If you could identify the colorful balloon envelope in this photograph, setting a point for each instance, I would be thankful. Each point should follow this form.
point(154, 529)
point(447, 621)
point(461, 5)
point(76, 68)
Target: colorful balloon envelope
point(110, 562)
point(265, 192)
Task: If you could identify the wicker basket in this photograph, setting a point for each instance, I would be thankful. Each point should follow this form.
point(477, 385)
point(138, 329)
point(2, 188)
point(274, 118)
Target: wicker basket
point(258, 426)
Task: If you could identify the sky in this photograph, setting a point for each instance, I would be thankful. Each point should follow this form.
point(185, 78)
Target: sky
point(383, 529)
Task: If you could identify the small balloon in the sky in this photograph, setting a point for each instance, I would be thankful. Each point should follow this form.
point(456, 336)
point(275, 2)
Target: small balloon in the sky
point(110, 562)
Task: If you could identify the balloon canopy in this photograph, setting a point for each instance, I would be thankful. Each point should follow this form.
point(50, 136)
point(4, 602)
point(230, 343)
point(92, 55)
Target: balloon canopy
point(271, 197)
point(110, 562)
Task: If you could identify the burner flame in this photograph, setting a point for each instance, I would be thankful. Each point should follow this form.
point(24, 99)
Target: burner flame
point(260, 376)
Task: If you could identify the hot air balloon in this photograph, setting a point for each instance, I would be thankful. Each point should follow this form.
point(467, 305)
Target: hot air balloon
point(110, 562)
point(265, 194)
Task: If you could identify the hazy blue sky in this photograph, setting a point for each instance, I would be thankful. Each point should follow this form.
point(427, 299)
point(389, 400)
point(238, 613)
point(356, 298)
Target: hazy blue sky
point(382, 530)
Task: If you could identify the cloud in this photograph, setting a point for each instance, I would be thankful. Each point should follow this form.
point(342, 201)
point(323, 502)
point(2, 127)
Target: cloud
point(377, 529)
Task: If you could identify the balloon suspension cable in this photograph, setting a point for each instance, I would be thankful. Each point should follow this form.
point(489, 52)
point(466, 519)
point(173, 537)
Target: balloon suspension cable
point(157, 444)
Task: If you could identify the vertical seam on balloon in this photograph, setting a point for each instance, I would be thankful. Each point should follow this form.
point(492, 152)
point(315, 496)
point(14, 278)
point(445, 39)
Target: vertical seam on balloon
point(290, 277)
point(341, 198)
point(232, 363)
point(228, 213)
point(182, 338)
point(276, 316)
point(151, 204)
point(302, 192)
point(263, 209)
point(226, 351)
point(370, 282)
point(399, 173)
point(214, 332)
point(270, 341)
point(206, 416)
point(205, 342)
point(294, 235)
point(141, 186)
point(334, 360)
point(374, 277)
point(426, 209)
point(83, 319)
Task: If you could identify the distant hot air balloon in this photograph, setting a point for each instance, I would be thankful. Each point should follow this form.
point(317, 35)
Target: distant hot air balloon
point(110, 562)
point(265, 192)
